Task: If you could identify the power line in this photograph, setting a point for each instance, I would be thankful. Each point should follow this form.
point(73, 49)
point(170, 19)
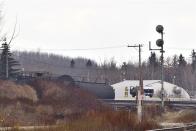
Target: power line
point(97, 48)
point(177, 48)
point(80, 49)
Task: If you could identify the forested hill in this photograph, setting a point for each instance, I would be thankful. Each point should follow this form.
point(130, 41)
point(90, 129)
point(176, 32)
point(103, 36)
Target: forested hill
point(56, 64)
point(83, 69)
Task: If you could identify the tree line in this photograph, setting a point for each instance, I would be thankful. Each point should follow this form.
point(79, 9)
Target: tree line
point(176, 69)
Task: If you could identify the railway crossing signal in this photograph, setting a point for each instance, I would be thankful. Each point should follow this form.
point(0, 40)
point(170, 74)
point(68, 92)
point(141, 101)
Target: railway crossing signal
point(160, 43)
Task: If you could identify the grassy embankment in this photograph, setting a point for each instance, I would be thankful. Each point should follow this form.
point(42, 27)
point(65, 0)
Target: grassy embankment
point(69, 108)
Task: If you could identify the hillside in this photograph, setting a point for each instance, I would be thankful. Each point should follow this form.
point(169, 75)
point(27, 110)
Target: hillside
point(108, 71)
point(60, 65)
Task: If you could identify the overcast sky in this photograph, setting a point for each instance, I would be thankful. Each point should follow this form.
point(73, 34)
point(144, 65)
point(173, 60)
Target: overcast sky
point(61, 25)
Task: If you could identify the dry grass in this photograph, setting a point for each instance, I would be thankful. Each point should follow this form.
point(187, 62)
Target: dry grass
point(19, 104)
point(152, 111)
point(106, 120)
point(183, 116)
point(186, 116)
point(80, 110)
point(11, 90)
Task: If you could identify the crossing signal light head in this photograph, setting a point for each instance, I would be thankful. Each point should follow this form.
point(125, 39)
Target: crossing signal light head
point(160, 43)
point(159, 28)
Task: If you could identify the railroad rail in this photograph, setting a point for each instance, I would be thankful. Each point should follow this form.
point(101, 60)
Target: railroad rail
point(132, 103)
point(187, 127)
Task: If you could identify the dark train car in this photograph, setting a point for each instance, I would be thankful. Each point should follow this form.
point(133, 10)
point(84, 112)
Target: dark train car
point(101, 90)
point(30, 76)
point(66, 80)
point(27, 76)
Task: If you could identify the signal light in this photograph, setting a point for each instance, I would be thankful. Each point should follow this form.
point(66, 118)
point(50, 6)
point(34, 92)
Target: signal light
point(160, 42)
point(159, 28)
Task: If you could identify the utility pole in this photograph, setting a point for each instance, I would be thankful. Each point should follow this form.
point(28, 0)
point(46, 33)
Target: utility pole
point(160, 43)
point(140, 90)
point(6, 57)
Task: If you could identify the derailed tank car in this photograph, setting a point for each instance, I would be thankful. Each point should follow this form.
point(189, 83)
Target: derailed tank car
point(100, 90)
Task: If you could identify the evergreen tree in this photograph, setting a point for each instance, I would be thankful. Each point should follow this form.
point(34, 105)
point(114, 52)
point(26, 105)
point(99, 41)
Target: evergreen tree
point(153, 64)
point(175, 61)
point(181, 61)
point(153, 61)
point(112, 64)
point(174, 66)
point(180, 71)
point(72, 63)
point(8, 65)
point(193, 56)
point(89, 63)
point(124, 70)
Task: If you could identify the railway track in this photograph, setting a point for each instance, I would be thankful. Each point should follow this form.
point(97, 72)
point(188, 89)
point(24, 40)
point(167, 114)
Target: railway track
point(132, 103)
point(186, 127)
point(127, 104)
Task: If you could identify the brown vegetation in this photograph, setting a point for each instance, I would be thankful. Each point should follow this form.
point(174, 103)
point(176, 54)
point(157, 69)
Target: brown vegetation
point(55, 104)
point(152, 111)
point(70, 108)
point(185, 116)
point(11, 90)
point(105, 120)
point(109, 120)
point(181, 116)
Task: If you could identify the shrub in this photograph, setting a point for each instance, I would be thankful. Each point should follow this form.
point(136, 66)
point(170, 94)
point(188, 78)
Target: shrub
point(11, 90)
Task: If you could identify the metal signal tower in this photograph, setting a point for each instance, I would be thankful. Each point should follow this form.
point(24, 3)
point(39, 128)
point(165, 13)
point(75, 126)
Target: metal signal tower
point(160, 43)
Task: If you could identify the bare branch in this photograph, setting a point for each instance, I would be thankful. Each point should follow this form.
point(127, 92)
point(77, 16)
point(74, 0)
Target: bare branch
point(13, 34)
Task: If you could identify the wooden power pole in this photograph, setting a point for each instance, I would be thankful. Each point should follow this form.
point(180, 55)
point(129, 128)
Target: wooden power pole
point(140, 90)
